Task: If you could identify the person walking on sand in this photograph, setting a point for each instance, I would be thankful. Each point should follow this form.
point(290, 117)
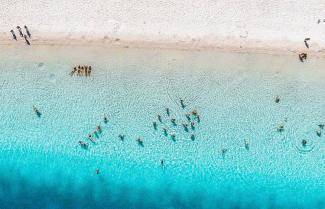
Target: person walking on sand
point(27, 42)
point(20, 32)
point(27, 31)
point(13, 35)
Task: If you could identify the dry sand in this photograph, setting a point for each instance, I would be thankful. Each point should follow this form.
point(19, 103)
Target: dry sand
point(241, 25)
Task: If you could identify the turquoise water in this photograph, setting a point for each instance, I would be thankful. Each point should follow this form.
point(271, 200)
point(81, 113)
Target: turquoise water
point(43, 166)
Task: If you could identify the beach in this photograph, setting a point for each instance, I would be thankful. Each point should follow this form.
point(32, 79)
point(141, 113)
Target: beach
point(187, 105)
point(263, 26)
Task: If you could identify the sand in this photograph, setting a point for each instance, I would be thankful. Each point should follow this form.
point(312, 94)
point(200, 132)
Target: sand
point(240, 25)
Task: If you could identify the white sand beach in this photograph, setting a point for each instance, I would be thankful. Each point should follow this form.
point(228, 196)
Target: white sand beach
point(269, 26)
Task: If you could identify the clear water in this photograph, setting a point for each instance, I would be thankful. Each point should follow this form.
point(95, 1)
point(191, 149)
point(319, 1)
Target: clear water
point(42, 165)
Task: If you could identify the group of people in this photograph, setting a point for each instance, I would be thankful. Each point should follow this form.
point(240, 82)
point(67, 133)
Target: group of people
point(21, 34)
point(303, 56)
point(191, 118)
point(81, 71)
point(95, 134)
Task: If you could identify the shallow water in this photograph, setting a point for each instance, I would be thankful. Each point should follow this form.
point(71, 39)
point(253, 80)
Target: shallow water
point(43, 166)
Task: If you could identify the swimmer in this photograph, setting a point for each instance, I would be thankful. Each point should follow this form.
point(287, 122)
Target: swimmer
point(185, 127)
point(159, 118)
point(121, 137)
point(154, 125)
point(27, 31)
point(319, 132)
point(38, 113)
point(304, 143)
point(90, 137)
point(13, 35)
point(173, 136)
point(173, 120)
point(192, 137)
point(321, 126)
point(223, 152)
point(246, 144)
point(99, 129)
point(280, 128)
point(198, 118)
point(97, 171)
point(277, 99)
point(182, 103)
point(105, 119)
point(167, 111)
point(165, 131)
point(188, 116)
point(162, 164)
point(83, 144)
point(140, 142)
point(194, 112)
point(192, 126)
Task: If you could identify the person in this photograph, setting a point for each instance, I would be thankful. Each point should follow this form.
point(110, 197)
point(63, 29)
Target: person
point(173, 120)
point(13, 35)
point(188, 116)
point(192, 137)
point(99, 129)
point(140, 142)
point(27, 31)
point(192, 126)
point(223, 151)
point(302, 57)
point(280, 128)
point(159, 118)
point(20, 32)
point(74, 70)
point(89, 70)
point(86, 70)
point(105, 119)
point(182, 103)
point(185, 127)
point(165, 131)
point(38, 113)
point(319, 132)
point(304, 143)
point(162, 164)
point(90, 137)
point(26, 40)
point(321, 126)
point(173, 136)
point(154, 125)
point(167, 111)
point(97, 171)
point(121, 137)
point(277, 99)
point(246, 144)
point(83, 144)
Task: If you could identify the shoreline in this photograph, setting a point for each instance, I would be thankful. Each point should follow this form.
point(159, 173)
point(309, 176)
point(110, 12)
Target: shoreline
point(241, 45)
